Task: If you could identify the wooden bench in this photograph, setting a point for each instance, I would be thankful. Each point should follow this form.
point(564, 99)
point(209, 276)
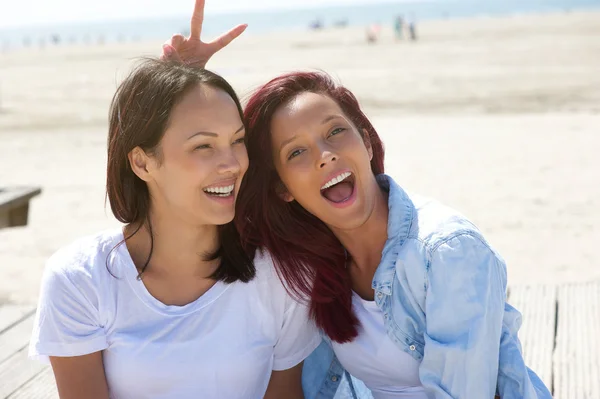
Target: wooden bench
point(14, 205)
point(560, 337)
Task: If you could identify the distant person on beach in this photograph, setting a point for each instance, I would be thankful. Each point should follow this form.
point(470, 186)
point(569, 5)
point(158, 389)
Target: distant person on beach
point(399, 27)
point(171, 306)
point(317, 24)
point(372, 33)
point(412, 29)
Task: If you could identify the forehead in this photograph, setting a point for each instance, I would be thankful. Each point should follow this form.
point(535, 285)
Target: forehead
point(205, 107)
point(304, 110)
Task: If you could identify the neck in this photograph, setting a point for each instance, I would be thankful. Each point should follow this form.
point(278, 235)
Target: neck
point(365, 243)
point(178, 248)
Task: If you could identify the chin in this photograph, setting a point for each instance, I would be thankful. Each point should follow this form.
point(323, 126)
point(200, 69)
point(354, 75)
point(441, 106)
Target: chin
point(219, 221)
point(214, 219)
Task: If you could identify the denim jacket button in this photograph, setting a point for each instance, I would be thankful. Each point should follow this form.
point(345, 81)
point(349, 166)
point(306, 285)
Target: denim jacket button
point(334, 378)
point(379, 295)
point(412, 347)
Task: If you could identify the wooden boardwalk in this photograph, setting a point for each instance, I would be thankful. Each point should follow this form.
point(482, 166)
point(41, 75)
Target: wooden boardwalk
point(560, 337)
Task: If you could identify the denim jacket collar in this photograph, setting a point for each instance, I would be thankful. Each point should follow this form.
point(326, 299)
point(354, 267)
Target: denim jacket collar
point(400, 216)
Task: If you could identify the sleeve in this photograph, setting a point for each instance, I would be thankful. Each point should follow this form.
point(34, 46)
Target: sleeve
point(67, 319)
point(464, 305)
point(298, 338)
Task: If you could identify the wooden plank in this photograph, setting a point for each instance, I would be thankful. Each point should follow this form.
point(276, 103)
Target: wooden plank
point(13, 314)
point(4, 218)
point(537, 304)
point(19, 216)
point(42, 386)
point(20, 376)
point(14, 205)
point(577, 354)
point(14, 197)
point(16, 338)
point(16, 371)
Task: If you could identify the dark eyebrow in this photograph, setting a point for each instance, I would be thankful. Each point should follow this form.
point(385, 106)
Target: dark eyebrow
point(330, 117)
point(286, 142)
point(211, 134)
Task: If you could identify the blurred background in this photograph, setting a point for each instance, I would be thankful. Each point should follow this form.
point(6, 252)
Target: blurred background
point(492, 107)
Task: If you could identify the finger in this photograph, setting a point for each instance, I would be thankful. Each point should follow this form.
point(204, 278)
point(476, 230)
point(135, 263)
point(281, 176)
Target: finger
point(227, 38)
point(176, 41)
point(197, 19)
point(169, 53)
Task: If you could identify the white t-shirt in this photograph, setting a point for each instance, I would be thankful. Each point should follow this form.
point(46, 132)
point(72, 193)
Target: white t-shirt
point(223, 345)
point(376, 360)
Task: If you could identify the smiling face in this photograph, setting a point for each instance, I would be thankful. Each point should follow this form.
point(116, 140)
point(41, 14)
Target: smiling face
point(201, 160)
point(323, 161)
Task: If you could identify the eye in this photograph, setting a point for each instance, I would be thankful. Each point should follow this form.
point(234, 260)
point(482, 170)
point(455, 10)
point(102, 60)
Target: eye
point(295, 153)
point(240, 141)
point(336, 131)
point(202, 147)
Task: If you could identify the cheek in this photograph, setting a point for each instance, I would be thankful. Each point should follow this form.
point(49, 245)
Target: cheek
point(298, 179)
point(193, 170)
point(356, 145)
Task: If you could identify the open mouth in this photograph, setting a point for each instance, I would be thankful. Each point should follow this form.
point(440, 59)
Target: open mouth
point(339, 189)
point(221, 192)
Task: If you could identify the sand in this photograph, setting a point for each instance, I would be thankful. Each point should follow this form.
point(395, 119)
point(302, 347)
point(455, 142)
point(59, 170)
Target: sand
point(497, 117)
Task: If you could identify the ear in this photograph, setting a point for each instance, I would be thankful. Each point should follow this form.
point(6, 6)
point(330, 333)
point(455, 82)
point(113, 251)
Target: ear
point(367, 141)
point(141, 163)
point(283, 193)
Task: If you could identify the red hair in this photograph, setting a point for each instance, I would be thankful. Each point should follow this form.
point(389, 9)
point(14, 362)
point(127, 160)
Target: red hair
point(307, 255)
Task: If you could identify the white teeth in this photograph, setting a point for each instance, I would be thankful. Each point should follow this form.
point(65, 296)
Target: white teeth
point(224, 191)
point(336, 180)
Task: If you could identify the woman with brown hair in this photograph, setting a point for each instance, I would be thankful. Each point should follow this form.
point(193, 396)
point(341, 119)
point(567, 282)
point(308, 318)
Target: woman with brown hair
point(170, 305)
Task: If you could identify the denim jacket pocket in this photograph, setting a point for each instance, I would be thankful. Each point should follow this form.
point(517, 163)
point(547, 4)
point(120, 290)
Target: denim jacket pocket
point(408, 344)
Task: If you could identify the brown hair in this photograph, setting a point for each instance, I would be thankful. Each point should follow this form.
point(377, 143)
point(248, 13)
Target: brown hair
point(138, 117)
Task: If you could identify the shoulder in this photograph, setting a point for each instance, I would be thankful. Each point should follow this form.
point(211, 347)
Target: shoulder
point(424, 219)
point(435, 230)
point(85, 260)
point(265, 267)
point(435, 223)
point(446, 232)
point(266, 273)
point(271, 283)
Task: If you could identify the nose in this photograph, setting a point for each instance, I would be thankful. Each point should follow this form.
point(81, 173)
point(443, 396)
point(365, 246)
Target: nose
point(229, 163)
point(327, 157)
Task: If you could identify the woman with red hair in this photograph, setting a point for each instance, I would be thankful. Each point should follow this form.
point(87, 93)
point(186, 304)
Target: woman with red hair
point(409, 293)
point(410, 296)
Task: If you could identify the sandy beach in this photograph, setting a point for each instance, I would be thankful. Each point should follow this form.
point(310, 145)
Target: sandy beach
point(497, 117)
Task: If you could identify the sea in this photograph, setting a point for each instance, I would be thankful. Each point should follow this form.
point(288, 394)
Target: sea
point(280, 20)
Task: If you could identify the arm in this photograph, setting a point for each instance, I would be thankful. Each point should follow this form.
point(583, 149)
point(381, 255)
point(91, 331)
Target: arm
point(80, 376)
point(464, 307)
point(67, 330)
point(286, 384)
point(297, 339)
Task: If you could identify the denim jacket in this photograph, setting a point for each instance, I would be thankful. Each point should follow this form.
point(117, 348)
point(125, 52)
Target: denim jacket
point(442, 291)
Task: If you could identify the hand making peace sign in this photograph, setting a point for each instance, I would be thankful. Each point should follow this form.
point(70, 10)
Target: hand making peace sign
point(192, 50)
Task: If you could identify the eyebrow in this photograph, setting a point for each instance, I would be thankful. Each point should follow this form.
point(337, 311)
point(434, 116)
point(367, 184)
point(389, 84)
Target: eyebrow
point(211, 134)
point(330, 117)
point(327, 119)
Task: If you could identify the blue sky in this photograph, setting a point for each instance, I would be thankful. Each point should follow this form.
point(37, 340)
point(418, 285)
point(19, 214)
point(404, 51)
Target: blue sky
point(45, 12)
